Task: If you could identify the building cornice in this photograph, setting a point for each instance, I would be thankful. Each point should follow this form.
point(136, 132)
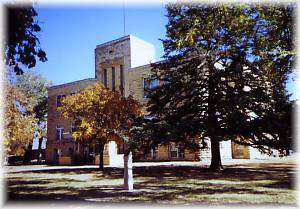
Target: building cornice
point(113, 41)
point(71, 83)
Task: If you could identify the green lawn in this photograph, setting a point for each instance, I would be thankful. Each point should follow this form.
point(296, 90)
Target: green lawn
point(239, 184)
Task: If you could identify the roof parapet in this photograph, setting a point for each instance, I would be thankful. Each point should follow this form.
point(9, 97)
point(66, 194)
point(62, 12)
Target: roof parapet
point(71, 83)
point(113, 41)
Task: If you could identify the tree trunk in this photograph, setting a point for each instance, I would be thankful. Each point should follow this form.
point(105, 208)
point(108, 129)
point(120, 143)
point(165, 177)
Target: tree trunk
point(212, 122)
point(101, 150)
point(216, 163)
point(27, 154)
point(40, 150)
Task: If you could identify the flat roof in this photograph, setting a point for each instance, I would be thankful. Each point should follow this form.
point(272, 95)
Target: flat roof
point(114, 41)
point(71, 83)
point(146, 65)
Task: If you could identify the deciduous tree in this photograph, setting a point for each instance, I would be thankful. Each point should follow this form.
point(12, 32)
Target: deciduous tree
point(34, 87)
point(18, 125)
point(25, 112)
point(22, 43)
point(100, 115)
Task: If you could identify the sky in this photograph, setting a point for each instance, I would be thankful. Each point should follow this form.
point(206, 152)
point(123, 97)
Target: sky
point(70, 34)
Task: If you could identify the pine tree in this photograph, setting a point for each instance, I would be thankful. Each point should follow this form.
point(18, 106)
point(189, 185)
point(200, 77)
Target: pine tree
point(225, 69)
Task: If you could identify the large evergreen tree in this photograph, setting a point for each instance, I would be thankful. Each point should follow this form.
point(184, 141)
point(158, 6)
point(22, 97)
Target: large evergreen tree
point(224, 77)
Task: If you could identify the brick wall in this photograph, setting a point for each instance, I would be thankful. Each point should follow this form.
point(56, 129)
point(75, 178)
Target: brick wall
point(135, 78)
point(55, 118)
point(129, 52)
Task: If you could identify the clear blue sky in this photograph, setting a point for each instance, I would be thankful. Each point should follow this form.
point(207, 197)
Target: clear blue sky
point(70, 34)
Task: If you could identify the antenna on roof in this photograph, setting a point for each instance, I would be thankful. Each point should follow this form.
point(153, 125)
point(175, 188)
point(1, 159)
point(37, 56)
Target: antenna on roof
point(124, 32)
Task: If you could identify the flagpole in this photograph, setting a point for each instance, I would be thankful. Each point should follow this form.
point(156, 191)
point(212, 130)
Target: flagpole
point(124, 32)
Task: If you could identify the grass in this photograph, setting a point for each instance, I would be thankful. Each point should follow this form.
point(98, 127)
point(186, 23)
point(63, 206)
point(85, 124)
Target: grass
point(271, 183)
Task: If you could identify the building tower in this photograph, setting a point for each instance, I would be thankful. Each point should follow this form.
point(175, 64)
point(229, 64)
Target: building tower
point(115, 58)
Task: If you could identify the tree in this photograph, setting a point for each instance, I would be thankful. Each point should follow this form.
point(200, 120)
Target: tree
point(100, 115)
point(225, 70)
point(22, 44)
point(26, 111)
point(19, 126)
point(34, 87)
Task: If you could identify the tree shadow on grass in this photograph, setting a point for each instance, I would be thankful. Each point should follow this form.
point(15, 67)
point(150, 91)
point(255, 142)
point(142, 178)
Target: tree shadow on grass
point(153, 193)
point(152, 184)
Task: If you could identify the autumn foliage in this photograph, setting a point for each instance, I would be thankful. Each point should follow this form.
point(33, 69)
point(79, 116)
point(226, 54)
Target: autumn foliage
point(25, 111)
point(100, 115)
point(19, 126)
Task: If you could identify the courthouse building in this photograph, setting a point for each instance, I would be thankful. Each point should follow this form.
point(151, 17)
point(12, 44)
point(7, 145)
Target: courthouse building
point(123, 65)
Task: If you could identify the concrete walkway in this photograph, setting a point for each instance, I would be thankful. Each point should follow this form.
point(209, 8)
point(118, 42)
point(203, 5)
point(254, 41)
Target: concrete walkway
point(290, 159)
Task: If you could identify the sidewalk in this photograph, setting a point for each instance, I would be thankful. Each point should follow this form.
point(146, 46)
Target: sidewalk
point(290, 159)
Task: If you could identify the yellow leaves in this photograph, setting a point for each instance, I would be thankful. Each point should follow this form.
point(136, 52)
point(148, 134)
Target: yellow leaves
point(22, 94)
point(19, 127)
point(100, 112)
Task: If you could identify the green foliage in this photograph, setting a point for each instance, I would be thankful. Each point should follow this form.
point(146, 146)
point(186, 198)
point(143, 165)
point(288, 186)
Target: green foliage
point(22, 45)
point(224, 75)
point(34, 87)
point(26, 110)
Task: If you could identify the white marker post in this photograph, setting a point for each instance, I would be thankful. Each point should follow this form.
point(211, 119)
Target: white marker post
point(128, 175)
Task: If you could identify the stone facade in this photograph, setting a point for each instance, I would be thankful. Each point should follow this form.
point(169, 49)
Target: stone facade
point(62, 151)
point(123, 65)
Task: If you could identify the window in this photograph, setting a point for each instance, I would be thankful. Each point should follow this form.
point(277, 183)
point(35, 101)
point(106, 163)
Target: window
point(153, 153)
point(113, 77)
point(122, 80)
point(149, 84)
point(55, 154)
point(176, 151)
point(58, 100)
point(71, 151)
point(73, 127)
point(105, 77)
point(59, 152)
point(121, 148)
point(59, 132)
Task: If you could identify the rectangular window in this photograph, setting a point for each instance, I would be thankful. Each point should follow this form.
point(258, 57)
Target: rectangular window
point(113, 77)
point(149, 85)
point(105, 77)
point(55, 154)
point(122, 80)
point(173, 151)
point(59, 152)
point(120, 148)
point(58, 100)
point(73, 127)
point(59, 132)
point(176, 151)
point(153, 153)
point(71, 151)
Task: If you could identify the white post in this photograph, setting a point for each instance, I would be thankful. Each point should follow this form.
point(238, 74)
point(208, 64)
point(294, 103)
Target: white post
point(128, 176)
